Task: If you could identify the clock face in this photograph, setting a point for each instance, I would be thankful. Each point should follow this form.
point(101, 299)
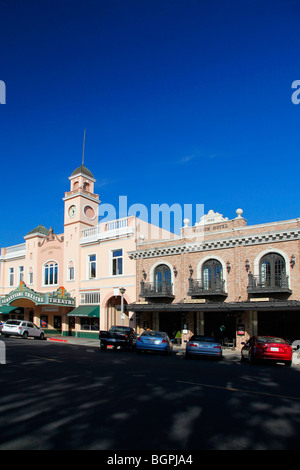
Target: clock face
point(72, 211)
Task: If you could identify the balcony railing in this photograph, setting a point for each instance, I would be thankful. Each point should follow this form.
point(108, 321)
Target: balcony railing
point(269, 284)
point(115, 229)
point(157, 290)
point(203, 288)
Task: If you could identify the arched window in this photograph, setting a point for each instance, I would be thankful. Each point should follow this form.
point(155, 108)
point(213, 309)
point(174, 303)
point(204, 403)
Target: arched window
point(51, 273)
point(71, 271)
point(162, 277)
point(211, 271)
point(272, 266)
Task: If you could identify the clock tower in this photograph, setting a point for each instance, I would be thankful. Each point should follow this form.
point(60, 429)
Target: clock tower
point(81, 204)
point(81, 212)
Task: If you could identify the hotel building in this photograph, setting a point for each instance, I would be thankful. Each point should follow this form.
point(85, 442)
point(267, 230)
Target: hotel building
point(221, 277)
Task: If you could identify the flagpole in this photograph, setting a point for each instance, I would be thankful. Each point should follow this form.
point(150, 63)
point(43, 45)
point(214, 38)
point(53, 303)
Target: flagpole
point(83, 147)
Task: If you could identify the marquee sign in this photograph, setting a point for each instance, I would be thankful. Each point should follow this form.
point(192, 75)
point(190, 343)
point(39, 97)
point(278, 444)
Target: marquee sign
point(60, 297)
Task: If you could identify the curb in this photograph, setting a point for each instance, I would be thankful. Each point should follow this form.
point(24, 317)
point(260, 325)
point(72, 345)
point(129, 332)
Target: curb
point(57, 339)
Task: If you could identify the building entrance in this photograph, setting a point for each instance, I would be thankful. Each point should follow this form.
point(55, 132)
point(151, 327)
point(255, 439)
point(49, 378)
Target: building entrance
point(113, 316)
point(220, 325)
point(170, 323)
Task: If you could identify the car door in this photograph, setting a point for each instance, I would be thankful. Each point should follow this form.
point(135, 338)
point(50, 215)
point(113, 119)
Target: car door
point(246, 349)
point(31, 329)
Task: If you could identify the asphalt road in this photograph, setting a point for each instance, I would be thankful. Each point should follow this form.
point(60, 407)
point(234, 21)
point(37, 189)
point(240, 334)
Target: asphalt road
point(68, 396)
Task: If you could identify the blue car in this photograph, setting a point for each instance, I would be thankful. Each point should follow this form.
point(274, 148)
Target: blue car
point(200, 345)
point(157, 341)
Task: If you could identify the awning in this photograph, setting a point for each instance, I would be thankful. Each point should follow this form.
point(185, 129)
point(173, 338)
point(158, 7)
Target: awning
point(7, 309)
point(86, 311)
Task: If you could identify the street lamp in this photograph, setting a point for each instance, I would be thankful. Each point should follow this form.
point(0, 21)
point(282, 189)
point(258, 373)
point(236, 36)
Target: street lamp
point(122, 291)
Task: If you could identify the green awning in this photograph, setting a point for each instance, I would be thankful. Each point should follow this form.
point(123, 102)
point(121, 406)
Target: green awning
point(7, 309)
point(86, 311)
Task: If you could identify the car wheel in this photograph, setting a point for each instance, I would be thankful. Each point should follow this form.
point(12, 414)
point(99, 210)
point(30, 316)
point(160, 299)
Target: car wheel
point(288, 363)
point(42, 336)
point(25, 335)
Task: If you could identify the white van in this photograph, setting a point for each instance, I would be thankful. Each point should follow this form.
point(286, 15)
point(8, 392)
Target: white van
point(22, 328)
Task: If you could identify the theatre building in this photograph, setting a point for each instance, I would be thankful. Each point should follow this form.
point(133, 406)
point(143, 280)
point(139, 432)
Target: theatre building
point(222, 278)
point(69, 283)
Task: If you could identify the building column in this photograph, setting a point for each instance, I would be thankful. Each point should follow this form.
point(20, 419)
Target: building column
point(155, 321)
point(254, 324)
point(199, 323)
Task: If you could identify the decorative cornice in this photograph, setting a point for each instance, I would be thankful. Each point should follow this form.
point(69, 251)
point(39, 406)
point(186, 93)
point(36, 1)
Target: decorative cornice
point(255, 239)
point(51, 237)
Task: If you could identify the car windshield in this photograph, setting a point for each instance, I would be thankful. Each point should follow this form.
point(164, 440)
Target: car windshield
point(120, 329)
point(206, 339)
point(270, 339)
point(13, 322)
point(154, 333)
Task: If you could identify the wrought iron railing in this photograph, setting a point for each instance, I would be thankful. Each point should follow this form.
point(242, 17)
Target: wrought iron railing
point(268, 283)
point(156, 289)
point(203, 287)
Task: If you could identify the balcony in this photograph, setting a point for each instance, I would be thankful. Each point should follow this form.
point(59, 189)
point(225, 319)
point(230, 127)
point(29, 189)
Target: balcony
point(208, 288)
point(269, 284)
point(121, 228)
point(157, 291)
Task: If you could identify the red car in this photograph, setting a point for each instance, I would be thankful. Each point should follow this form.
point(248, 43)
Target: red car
point(267, 347)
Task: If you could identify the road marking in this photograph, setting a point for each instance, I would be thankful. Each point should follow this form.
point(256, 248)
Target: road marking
point(231, 389)
point(44, 358)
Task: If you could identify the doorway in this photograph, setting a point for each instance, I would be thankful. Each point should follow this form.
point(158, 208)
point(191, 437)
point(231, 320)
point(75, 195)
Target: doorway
point(170, 323)
point(221, 326)
point(113, 315)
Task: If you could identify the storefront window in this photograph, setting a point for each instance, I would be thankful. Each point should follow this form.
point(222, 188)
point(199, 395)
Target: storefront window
point(89, 324)
point(44, 321)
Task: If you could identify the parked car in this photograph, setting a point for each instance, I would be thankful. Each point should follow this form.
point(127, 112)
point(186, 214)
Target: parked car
point(267, 347)
point(199, 345)
point(122, 336)
point(1, 325)
point(157, 341)
point(22, 328)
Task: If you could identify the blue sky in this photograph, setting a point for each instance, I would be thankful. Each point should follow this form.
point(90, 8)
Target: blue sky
point(184, 102)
